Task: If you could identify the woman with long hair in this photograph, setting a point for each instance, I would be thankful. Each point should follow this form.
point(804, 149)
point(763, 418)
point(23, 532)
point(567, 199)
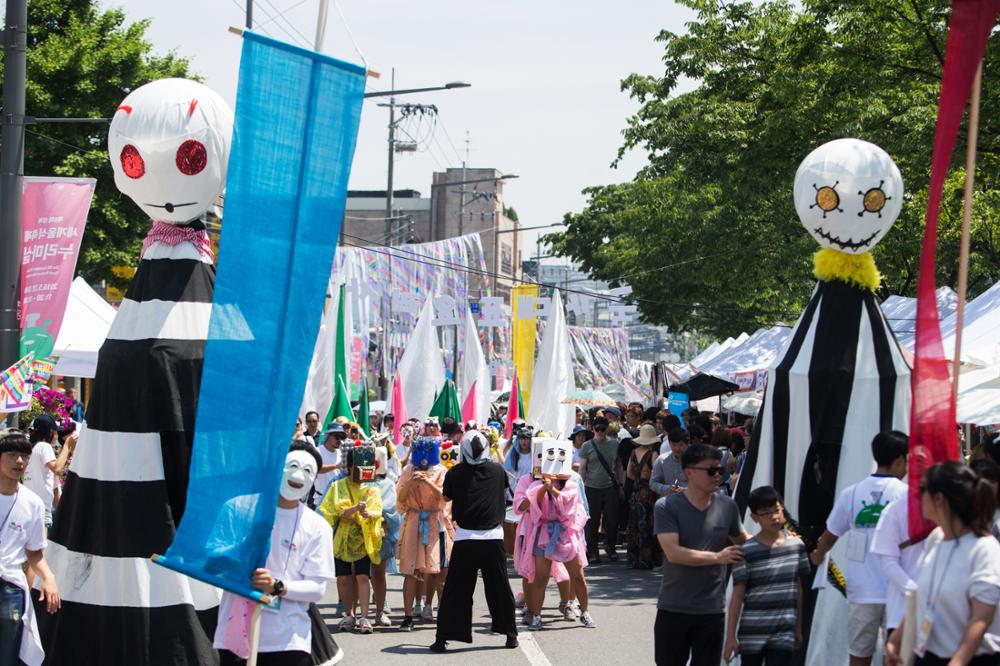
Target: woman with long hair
point(958, 584)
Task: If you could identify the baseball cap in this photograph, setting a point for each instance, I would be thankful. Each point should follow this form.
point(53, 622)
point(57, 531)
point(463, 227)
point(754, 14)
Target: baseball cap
point(44, 423)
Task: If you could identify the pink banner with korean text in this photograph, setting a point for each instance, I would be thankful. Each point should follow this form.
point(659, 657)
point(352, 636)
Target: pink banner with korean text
point(54, 214)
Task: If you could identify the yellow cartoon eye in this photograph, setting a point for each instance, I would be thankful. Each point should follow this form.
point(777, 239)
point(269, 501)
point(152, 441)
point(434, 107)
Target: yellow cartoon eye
point(827, 199)
point(873, 200)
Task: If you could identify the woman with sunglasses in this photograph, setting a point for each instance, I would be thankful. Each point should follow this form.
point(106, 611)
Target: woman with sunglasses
point(958, 585)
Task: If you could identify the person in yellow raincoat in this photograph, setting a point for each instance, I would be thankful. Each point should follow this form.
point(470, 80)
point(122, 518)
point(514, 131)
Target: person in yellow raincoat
point(353, 506)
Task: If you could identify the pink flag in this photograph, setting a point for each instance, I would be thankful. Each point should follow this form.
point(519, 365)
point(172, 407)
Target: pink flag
point(513, 408)
point(398, 408)
point(54, 212)
point(469, 406)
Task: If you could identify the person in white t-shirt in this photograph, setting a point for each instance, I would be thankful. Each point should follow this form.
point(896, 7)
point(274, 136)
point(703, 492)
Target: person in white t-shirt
point(900, 559)
point(45, 466)
point(332, 465)
point(855, 515)
point(22, 539)
point(298, 567)
point(958, 584)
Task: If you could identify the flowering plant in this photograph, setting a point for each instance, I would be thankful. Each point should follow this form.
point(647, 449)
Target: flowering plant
point(46, 401)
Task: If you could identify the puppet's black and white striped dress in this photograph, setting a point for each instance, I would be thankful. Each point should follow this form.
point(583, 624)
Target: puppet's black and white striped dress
point(126, 489)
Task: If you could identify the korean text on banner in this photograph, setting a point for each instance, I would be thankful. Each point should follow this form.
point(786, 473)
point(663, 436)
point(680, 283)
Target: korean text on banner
point(297, 115)
point(524, 301)
point(53, 215)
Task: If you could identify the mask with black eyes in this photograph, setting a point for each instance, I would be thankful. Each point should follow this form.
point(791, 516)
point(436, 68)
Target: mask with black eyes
point(169, 146)
point(552, 458)
point(848, 193)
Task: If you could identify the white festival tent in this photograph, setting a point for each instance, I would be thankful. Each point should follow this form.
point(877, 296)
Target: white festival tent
point(755, 353)
point(980, 330)
point(901, 313)
point(85, 325)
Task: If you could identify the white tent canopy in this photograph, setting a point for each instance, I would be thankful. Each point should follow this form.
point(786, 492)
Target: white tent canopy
point(980, 332)
point(901, 313)
point(85, 326)
point(756, 353)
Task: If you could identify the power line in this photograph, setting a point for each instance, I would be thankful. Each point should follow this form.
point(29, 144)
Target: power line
point(451, 143)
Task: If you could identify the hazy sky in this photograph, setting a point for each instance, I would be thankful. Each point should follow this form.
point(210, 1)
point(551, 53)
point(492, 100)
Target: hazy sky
point(544, 104)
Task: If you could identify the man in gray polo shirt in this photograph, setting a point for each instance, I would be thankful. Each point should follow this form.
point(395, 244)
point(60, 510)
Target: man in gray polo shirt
point(668, 476)
point(699, 530)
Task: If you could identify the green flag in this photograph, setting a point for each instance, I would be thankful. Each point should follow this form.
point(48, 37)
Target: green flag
point(341, 405)
point(447, 404)
point(363, 417)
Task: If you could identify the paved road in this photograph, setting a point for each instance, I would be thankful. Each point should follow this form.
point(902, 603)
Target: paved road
point(623, 602)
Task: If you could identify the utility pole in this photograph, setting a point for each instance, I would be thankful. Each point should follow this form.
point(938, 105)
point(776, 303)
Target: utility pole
point(392, 149)
point(249, 14)
point(11, 176)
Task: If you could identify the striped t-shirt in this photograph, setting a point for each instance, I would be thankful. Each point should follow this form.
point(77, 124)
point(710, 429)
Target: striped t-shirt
point(769, 607)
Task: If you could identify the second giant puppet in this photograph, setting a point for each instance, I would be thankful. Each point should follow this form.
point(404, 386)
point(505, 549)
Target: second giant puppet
point(169, 145)
point(841, 377)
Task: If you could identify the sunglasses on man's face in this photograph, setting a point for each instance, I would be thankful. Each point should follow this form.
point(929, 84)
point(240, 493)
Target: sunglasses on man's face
point(711, 471)
point(312, 420)
point(340, 435)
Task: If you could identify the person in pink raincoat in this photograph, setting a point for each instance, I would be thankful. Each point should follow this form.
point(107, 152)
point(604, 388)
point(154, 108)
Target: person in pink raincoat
point(551, 533)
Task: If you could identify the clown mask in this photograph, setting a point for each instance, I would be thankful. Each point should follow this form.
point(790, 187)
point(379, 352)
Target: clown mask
point(426, 453)
point(449, 455)
point(552, 458)
point(363, 461)
point(381, 460)
point(300, 472)
point(169, 146)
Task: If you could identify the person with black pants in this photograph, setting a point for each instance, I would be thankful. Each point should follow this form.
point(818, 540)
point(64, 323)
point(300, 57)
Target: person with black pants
point(599, 466)
point(477, 488)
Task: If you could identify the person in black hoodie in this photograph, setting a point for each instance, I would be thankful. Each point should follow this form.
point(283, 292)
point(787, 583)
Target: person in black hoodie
point(477, 489)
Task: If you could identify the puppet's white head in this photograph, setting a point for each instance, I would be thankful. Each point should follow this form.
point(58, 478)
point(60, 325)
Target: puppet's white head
point(169, 146)
point(299, 475)
point(552, 457)
point(848, 193)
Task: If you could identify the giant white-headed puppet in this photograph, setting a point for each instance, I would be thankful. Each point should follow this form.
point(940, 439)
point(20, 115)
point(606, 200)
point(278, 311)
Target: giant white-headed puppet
point(169, 146)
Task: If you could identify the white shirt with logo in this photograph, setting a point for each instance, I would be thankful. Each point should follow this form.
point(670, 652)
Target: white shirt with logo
point(37, 474)
point(855, 516)
point(23, 529)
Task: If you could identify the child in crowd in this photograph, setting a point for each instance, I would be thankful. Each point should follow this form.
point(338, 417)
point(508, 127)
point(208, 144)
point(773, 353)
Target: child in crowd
point(354, 509)
point(766, 603)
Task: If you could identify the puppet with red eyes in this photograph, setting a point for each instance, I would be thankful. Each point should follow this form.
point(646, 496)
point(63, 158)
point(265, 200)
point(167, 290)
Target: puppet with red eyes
point(168, 145)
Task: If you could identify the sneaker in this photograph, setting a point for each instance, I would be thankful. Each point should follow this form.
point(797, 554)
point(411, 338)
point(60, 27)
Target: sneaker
point(406, 624)
point(438, 646)
point(347, 623)
point(428, 614)
point(366, 626)
point(536, 623)
point(567, 610)
point(587, 621)
point(418, 608)
point(525, 616)
point(382, 620)
point(511, 642)
point(575, 605)
point(519, 600)
point(612, 555)
point(340, 609)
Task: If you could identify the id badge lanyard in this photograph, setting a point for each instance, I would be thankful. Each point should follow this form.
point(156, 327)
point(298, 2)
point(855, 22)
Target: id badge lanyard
point(927, 621)
point(275, 605)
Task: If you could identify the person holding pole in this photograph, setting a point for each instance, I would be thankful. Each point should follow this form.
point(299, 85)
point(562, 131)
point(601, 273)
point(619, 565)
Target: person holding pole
point(298, 567)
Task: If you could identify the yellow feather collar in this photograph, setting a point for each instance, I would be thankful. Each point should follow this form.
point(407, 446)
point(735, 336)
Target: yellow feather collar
point(856, 269)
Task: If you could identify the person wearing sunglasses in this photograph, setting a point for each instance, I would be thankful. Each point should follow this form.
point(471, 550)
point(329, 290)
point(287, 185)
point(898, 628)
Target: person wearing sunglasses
point(700, 532)
point(331, 454)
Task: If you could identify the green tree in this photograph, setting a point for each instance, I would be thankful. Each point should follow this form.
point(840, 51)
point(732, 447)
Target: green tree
point(706, 235)
point(81, 62)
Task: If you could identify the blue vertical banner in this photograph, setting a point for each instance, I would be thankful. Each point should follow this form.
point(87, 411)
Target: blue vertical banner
point(297, 117)
point(677, 402)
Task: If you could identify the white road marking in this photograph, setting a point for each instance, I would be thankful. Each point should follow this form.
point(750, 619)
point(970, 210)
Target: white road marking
point(532, 651)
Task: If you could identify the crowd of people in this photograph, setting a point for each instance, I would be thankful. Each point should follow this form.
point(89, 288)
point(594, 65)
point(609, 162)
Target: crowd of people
point(442, 503)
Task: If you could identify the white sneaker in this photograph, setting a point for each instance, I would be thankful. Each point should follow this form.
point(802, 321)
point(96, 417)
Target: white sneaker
point(428, 614)
point(587, 621)
point(566, 608)
point(519, 600)
point(525, 618)
point(347, 623)
point(382, 620)
point(536, 623)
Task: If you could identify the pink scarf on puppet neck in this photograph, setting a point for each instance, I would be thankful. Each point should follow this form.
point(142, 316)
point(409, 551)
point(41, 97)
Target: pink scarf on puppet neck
point(169, 234)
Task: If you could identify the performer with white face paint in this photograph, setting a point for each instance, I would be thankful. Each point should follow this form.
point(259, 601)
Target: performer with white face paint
point(298, 567)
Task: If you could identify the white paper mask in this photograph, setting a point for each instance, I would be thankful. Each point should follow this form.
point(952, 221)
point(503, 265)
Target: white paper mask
point(381, 461)
point(169, 147)
point(848, 193)
point(300, 472)
point(554, 457)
